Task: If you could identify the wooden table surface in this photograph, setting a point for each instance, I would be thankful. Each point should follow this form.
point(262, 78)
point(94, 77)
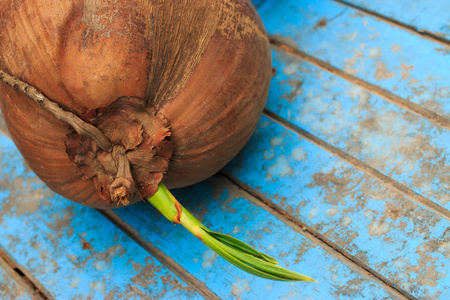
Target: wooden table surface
point(346, 179)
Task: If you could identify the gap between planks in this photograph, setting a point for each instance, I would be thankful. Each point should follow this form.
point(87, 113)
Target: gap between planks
point(266, 204)
point(317, 238)
point(278, 43)
point(411, 29)
point(166, 260)
point(23, 277)
point(200, 287)
point(365, 168)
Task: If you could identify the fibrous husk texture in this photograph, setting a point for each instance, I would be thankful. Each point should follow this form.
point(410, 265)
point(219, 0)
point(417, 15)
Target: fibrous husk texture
point(198, 69)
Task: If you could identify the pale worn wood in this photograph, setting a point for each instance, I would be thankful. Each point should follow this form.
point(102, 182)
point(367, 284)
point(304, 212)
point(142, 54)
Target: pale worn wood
point(12, 287)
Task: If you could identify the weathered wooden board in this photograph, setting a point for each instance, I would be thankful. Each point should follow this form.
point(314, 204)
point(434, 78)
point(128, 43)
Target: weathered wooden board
point(224, 207)
point(71, 250)
point(424, 15)
point(402, 241)
point(392, 140)
point(198, 259)
point(371, 241)
point(11, 287)
point(383, 55)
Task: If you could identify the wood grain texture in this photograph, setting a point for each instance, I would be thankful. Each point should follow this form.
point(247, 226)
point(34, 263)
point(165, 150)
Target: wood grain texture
point(420, 14)
point(311, 208)
point(223, 207)
point(386, 56)
point(71, 250)
point(399, 144)
point(12, 286)
point(358, 213)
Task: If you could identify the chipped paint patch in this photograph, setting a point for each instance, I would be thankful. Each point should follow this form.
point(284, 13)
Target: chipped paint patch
point(291, 68)
point(406, 71)
point(378, 228)
point(269, 154)
point(346, 220)
point(299, 154)
point(208, 258)
point(375, 52)
point(332, 211)
point(280, 169)
point(381, 72)
point(396, 48)
point(350, 63)
point(313, 212)
point(276, 141)
point(239, 287)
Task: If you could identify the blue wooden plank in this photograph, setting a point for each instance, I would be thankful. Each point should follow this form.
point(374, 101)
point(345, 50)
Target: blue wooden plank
point(11, 287)
point(399, 239)
point(225, 208)
point(386, 56)
point(337, 279)
point(400, 144)
point(424, 15)
point(71, 250)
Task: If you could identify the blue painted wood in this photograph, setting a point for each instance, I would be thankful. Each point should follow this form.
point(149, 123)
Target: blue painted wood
point(11, 288)
point(224, 207)
point(424, 15)
point(383, 55)
point(400, 144)
point(67, 228)
point(73, 251)
point(386, 231)
point(258, 3)
point(404, 242)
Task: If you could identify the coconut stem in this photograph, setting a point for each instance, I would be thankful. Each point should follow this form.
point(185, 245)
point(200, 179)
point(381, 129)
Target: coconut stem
point(123, 187)
point(78, 124)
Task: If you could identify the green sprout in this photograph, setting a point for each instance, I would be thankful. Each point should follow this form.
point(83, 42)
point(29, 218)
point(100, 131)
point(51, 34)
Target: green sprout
point(233, 250)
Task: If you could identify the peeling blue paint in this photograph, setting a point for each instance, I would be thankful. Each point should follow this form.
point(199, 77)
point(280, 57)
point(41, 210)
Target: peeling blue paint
point(375, 51)
point(354, 211)
point(410, 149)
point(222, 206)
point(73, 251)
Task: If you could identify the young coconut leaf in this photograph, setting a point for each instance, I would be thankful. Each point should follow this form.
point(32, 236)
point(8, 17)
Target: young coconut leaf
point(233, 250)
